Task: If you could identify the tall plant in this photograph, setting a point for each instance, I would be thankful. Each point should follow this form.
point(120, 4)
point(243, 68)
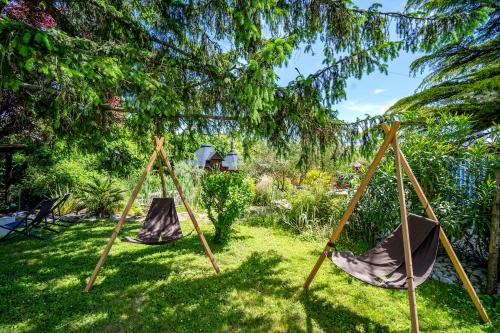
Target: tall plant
point(464, 73)
point(225, 196)
point(101, 197)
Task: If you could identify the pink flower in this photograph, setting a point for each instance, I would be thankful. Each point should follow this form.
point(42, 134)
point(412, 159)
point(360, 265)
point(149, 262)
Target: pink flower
point(46, 21)
point(17, 10)
point(114, 101)
point(33, 15)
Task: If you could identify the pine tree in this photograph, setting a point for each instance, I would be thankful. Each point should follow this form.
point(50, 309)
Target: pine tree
point(88, 69)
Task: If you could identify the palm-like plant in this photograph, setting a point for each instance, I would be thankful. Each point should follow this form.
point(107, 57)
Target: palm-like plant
point(101, 196)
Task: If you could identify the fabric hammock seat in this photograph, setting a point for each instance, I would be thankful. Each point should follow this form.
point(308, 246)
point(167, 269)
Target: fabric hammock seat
point(161, 224)
point(384, 265)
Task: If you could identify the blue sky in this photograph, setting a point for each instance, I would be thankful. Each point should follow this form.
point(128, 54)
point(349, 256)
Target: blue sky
point(372, 94)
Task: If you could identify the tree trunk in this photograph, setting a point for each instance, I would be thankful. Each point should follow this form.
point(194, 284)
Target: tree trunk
point(219, 235)
point(283, 181)
point(493, 266)
point(8, 177)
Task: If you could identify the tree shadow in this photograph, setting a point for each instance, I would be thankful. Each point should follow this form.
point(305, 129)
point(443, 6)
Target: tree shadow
point(158, 289)
point(137, 294)
point(335, 317)
point(140, 288)
point(456, 301)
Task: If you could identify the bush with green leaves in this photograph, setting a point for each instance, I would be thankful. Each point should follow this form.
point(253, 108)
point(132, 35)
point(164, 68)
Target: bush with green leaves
point(70, 205)
point(311, 211)
point(101, 197)
point(318, 180)
point(226, 195)
point(62, 173)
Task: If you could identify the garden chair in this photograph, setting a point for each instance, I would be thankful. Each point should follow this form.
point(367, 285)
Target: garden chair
point(56, 210)
point(28, 226)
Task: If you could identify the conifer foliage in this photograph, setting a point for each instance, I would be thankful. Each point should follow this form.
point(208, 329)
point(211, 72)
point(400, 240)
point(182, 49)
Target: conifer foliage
point(465, 73)
point(87, 68)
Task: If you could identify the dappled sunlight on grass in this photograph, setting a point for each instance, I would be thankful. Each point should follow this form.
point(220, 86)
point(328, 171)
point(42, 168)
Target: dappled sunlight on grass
point(80, 322)
point(173, 288)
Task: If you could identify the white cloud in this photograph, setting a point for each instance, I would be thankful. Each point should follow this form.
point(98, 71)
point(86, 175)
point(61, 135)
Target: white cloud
point(379, 91)
point(368, 108)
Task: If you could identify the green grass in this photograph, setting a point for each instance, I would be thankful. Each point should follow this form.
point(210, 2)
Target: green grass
point(174, 289)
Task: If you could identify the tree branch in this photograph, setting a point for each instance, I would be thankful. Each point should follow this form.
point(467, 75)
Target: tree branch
point(107, 107)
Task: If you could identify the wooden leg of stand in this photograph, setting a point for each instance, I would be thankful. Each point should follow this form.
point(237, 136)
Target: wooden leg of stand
point(406, 240)
point(122, 219)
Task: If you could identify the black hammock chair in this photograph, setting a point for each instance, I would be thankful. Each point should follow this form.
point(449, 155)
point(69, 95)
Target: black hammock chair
point(161, 225)
point(384, 265)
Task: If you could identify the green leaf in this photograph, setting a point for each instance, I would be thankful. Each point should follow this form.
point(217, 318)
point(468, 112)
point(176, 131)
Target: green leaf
point(23, 50)
point(38, 37)
point(26, 37)
point(43, 39)
point(28, 65)
point(44, 69)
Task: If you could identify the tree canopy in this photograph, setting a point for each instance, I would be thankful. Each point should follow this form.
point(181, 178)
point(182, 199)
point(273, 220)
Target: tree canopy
point(465, 75)
point(93, 69)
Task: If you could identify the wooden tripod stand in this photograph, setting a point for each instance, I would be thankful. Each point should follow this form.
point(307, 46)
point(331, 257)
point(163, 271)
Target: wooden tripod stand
point(401, 163)
point(157, 155)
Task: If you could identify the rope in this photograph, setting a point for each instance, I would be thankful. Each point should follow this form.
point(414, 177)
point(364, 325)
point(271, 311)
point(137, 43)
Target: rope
point(332, 245)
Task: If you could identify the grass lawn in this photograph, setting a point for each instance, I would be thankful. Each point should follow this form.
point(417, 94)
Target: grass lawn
point(174, 289)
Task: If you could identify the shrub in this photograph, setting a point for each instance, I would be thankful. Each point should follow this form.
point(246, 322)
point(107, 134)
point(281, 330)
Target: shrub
point(136, 210)
point(71, 204)
point(317, 180)
point(377, 212)
point(261, 216)
point(344, 175)
point(190, 179)
point(101, 197)
point(41, 181)
point(45, 169)
point(225, 195)
point(263, 191)
point(311, 212)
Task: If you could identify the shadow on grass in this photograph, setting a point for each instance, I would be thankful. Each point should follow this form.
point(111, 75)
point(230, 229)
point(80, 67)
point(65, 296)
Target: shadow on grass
point(335, 318)
point(45, 281)
point(156, 288)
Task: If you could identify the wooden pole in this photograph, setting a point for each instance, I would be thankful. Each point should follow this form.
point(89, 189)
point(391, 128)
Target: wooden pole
point(442, 236)
point(492, 280)
point(190, 211)
point(350, 208)
point(123, 216)
point(406, 239)
point(160, 171)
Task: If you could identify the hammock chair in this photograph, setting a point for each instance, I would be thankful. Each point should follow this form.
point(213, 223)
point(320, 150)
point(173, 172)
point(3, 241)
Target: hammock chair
point(405, 258)
point(161, 225)
point(384, 265)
